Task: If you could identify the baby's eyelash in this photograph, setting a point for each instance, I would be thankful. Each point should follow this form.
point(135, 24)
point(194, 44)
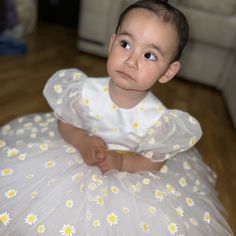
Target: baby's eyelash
point(124, 44)
point(150, 56)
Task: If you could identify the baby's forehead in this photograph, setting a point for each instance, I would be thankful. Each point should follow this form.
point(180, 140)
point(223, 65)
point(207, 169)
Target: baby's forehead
point(147, 13)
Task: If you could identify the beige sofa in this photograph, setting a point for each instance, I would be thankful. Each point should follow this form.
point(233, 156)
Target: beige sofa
point(209, 58)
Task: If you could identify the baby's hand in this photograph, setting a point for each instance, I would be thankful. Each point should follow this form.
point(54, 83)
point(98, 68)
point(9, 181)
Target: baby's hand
point(109, 160)
point(90, 148)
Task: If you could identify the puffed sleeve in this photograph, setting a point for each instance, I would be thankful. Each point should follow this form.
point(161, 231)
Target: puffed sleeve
point(63, 92)
point(176, 131)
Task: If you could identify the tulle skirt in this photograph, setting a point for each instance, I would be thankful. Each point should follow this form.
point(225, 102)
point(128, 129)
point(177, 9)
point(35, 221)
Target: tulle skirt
point(47, 189)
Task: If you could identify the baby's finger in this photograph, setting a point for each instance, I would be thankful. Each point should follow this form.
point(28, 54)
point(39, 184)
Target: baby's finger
point(104, 165)
point(100, 154)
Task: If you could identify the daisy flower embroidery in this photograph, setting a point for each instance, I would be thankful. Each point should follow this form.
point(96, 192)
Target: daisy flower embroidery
point(151, 140)
point(6, 129)
point(99, 200)
point(114, 189)
point(187, 166)
point(146, 181)
point(182, 182)
point(173, 114)
point(189, 202)
point(50, 164)
point(95, 178)
point(179, 211)
point(193, 221)
point(22, 156)
point(20, 131)
point(34, 194)
point(44, 146)
point(37, 119)
point(41, 229)
point(172, 227)
point(12, 152)
point(152, 209)
point(136, 125)
point(92, 186)
point(31, 219)
point(96, 223)
point(170, 188)
point(11, 193)
point(69, 203)
point(160, 195)
point(112, 219)
point(70, 150)
point(114, 107)
point(160, 108)
point(61, 74)
point(76, 76)
point(207, 217)
point(164, 169)
point(149, 154)
point(166, 119)
point(58, 88)
point(6, 172)
point(157, 123)
point(95, 131)
point(59, 101)
point(5, 218)
point(105, 89)
point(67, 230)
point(145, 227)
point(192, 141)
point(176, 147)
point(125, 210)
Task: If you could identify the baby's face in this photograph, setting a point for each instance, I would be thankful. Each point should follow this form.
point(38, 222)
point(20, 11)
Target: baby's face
point(141, 51)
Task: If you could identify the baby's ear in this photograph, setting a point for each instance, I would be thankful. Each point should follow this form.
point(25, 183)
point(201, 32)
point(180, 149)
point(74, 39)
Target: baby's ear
point(112, 40)
point(171, 72)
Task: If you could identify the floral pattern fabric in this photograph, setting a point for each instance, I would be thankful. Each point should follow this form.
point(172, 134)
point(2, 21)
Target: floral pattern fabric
point(47, 189)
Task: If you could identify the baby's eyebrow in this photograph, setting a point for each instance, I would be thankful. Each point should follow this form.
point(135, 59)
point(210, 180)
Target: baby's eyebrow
point(125, 33)
point(157, 48)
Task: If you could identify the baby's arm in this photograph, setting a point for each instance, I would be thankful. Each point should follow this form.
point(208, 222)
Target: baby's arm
point(87, 145)
point(128, 162)
point(137, 162)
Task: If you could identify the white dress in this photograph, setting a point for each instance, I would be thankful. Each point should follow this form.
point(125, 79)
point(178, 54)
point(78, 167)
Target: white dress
point(47, 189)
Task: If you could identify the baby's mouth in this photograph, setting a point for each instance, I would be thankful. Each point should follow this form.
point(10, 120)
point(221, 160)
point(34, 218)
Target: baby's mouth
point(125, 75)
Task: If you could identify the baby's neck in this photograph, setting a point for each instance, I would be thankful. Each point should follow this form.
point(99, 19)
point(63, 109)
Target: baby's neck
point(124, 98)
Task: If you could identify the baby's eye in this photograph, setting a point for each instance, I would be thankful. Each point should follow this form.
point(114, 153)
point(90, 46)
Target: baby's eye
point(150, 56)
point(125, 44)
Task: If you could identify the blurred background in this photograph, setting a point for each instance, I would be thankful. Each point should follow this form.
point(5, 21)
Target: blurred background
point(38, 38)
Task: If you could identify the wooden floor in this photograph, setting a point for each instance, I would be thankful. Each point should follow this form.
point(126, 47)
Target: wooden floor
point(53, 47)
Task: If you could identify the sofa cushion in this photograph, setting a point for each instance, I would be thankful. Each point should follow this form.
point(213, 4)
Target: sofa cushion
point(203, 63)
point(210, 28)
point(224, 7)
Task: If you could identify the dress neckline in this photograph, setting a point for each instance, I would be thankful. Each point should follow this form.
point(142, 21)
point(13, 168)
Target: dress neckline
point(122, 108)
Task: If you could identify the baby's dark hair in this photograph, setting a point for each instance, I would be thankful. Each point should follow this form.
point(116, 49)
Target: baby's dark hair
point(167, 13)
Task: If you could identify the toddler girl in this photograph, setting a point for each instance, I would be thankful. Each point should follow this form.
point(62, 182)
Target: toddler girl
point(112, 159)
